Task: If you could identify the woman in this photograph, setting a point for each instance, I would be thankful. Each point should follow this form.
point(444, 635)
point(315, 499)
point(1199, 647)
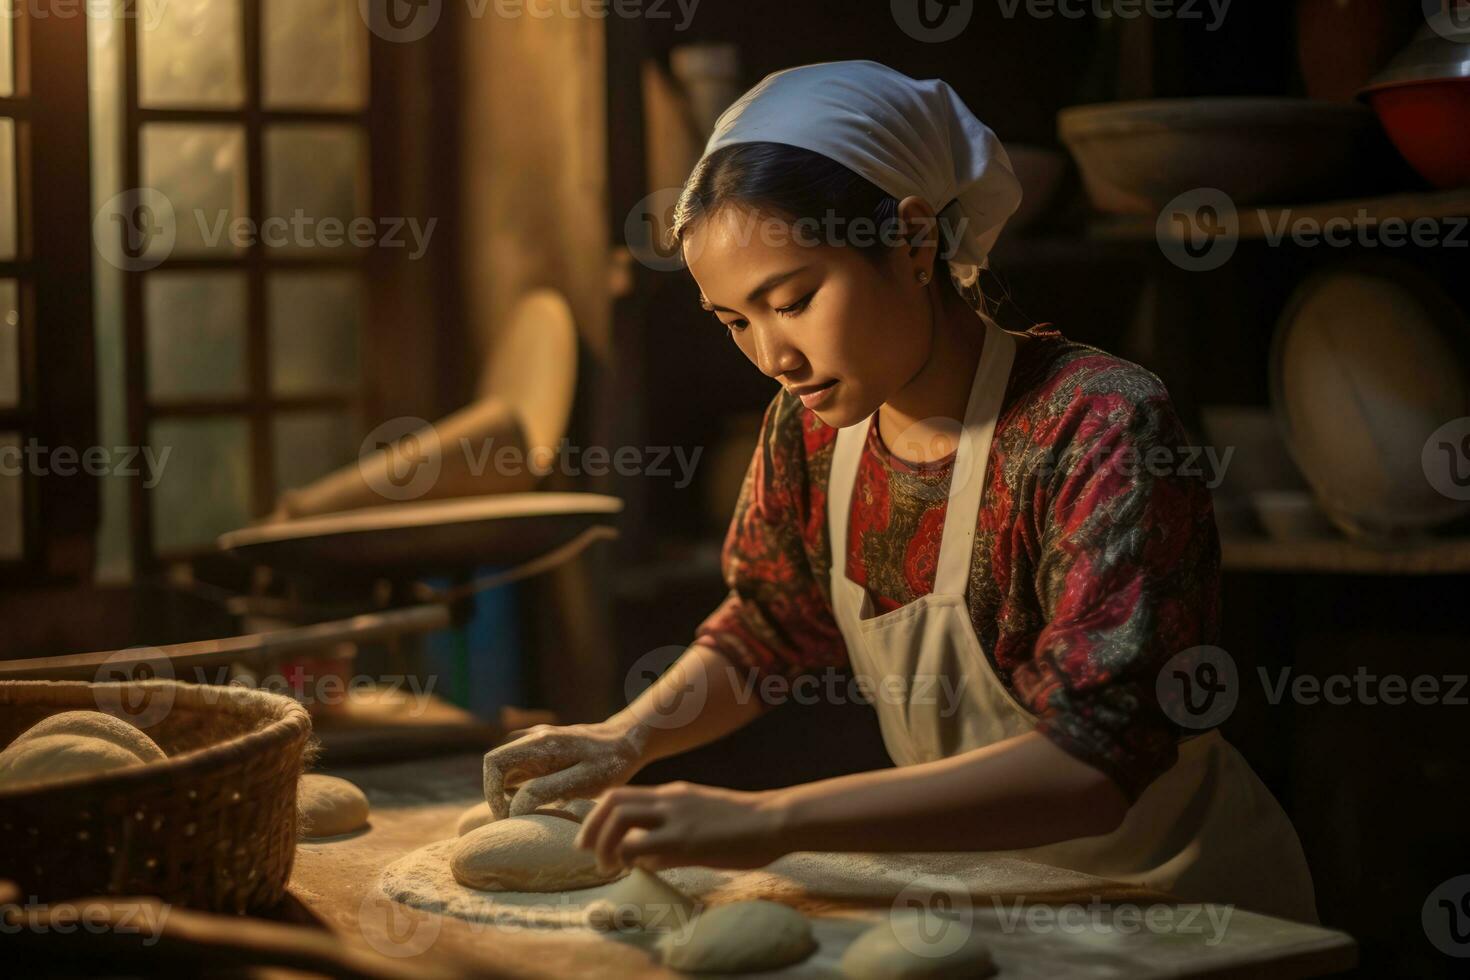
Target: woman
point(1012, 584)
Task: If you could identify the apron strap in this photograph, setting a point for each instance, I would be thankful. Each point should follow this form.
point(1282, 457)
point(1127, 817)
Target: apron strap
point(845, 456)
point(967, 483)
point(972, 457)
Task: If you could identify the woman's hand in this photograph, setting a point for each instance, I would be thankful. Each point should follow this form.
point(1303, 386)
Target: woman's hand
point(681, 823)
point(547, 763)
point(551, 763)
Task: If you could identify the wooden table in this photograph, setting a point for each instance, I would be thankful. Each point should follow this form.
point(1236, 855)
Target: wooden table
point(1034, 929)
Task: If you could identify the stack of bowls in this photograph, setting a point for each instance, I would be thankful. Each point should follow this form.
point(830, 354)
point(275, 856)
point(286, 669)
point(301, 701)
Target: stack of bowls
point(1422, 97)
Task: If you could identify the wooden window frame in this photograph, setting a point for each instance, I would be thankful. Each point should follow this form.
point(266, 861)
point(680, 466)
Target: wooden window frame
point(259, 406)
point(58, 391)
point(413, 331)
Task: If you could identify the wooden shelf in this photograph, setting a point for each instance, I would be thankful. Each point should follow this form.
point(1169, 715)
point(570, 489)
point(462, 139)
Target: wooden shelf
point(1340, 556)
point(1257, 222)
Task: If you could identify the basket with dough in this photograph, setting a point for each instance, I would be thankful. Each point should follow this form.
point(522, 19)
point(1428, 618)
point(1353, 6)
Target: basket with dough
point(211, 827)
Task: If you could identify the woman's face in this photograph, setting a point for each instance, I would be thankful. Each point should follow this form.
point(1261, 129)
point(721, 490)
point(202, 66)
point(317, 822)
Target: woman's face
point(835, 329)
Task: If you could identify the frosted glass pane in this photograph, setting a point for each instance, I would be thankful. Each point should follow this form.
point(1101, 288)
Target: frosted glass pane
point(313, 180)
point(7, 49)
point(195, 334)
point(9, 343)
point(311, 444)
point(7, 189)
point(204, 489)
point(201, 171)
point(314, 325)
point(12, 514)
point(315, 54)
point(189, 53)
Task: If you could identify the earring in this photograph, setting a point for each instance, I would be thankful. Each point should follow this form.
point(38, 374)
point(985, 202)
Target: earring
point(923, 278)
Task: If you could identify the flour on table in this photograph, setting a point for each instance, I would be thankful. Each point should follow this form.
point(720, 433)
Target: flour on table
point(422, 879)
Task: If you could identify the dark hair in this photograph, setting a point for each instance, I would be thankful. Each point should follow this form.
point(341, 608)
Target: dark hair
point(799, 185)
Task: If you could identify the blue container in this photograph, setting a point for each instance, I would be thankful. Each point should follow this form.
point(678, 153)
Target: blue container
point(478, 666)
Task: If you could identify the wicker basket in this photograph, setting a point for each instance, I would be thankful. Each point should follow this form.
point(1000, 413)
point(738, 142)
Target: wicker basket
point(213, 827)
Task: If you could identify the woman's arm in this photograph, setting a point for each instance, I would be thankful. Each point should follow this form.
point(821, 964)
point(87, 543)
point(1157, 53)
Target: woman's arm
point(1022, 792)
point(697, 700)
point(1018, 793)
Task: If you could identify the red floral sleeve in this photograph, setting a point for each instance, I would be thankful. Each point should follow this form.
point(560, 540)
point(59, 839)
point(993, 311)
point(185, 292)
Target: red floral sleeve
point(1127, 576)
point(778, 616)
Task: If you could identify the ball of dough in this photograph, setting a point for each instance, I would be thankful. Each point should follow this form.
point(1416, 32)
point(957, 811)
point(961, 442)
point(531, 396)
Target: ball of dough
point(918, 947)
point(51, 757)
point(738, 938)
point(476, 816)
point(330, 806)
point(642, 900)
point(533, 853)
point(479, 814)
point(97, 724)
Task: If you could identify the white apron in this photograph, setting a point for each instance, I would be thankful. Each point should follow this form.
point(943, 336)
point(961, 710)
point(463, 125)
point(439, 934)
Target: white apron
point(1205, 830)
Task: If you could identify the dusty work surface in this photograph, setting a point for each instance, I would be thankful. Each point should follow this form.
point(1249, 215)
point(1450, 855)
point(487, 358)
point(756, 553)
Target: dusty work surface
point(1040, 922)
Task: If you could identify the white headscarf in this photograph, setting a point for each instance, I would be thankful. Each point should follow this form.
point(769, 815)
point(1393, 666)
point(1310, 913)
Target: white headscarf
point(904, 136)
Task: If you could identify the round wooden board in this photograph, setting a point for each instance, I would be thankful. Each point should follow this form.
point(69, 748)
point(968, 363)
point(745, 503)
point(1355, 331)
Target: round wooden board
point(437, 535)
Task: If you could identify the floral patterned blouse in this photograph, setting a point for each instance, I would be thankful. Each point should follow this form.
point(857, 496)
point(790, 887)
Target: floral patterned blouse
point(1095, 560)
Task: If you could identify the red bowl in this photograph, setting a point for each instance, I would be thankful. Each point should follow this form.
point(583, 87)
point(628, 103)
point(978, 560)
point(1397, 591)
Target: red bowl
point(1429, 122)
